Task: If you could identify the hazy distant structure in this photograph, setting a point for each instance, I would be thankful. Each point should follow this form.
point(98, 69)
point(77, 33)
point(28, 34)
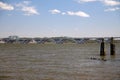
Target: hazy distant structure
point(24, 40)
point(13, 37)
point(2, 41)
point(56, 40)
point(39, 40)
point(80, 40)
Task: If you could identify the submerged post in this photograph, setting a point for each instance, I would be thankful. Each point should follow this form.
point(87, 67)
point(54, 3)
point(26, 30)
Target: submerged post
point(112, 47)
point(102, 52)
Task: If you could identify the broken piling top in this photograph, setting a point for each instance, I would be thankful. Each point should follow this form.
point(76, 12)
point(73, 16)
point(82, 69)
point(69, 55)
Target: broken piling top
point(112, 46)
point(102, 46)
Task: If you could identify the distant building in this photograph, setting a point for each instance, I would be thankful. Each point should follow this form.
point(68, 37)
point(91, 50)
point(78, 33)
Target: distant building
point(13, 37)
point(24, 40)
point(79, 40)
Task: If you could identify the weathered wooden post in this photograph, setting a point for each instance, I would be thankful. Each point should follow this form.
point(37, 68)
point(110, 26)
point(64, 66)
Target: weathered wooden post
point(102, 46)
point(112, 47)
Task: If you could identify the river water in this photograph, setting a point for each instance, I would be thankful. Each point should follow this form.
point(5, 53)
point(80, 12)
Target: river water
point(58, 62)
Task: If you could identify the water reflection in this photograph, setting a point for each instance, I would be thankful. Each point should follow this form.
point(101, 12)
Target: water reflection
point(103, 58)
point(112, 57)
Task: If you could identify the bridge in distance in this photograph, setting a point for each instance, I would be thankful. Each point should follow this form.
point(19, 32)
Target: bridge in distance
point(57, 40)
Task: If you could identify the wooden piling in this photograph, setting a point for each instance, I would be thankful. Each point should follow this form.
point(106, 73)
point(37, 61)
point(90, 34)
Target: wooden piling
point(102, 52)
point(112, 47)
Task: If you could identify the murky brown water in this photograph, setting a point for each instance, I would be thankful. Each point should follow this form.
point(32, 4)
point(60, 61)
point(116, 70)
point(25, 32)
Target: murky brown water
point(57, 62)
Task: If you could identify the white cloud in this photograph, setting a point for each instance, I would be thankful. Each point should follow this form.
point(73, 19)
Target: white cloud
point(6, 6)
point(81, 1)
point(111, 2)
point(79, 13)
point(106, 2)
point(55, 11)
point(26, 2)
point(29, 10)
point(71, 13)
point(63, 13)
point(23, 3)
point(113, 9)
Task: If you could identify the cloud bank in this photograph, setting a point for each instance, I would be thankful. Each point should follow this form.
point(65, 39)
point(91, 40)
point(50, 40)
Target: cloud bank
point(105, 2)
point(112, 4)
point(55, 11)
point(28, 10)
point(112, 9)
point(25, 6)
point(79, 13)
point(83, 1)
point(70, 13)
point(6, 6)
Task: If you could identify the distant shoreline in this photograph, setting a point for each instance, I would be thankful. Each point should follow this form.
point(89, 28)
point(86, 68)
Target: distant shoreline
point(57, 40)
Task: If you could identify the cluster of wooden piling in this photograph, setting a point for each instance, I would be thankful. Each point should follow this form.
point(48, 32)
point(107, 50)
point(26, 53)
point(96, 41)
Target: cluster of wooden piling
point(102, 47)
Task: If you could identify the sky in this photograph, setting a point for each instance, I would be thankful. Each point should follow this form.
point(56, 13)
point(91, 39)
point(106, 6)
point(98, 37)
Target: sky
point(59, 18)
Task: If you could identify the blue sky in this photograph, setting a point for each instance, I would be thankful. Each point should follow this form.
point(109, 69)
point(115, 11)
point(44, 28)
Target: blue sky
point(56, 18)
